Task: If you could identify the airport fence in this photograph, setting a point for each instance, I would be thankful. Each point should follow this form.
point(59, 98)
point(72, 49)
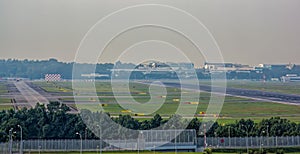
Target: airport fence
point(148, 144)
point(250, 142)
point(146, 140)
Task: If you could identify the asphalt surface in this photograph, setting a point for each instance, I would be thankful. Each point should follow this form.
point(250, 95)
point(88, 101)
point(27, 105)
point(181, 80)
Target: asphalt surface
point(31, 96)
point(26, 94)
point(243, 93)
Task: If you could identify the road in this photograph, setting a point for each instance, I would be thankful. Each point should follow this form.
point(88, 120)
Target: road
point(242, 93)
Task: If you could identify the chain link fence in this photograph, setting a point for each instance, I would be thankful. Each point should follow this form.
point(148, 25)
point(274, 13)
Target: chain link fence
point(147, 140)
point(150, 142)
point(250, 142)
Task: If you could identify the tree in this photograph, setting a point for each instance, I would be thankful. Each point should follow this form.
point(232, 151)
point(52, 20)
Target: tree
point(156, 121)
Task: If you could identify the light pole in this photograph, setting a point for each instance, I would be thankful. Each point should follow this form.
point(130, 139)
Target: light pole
point(175, 144)
point(80, 141)
point(21, 144)
point(204, 133)
point(85, 134)
point(229, 136)
point(268, 130)
point(138, 143)
point(100, 136)
point(216, 136)
point(261, 141)
point(247, 137)
point(268, 135)
point(175, 140)
point(40, 149)
point(10, 139)
point(260, 144)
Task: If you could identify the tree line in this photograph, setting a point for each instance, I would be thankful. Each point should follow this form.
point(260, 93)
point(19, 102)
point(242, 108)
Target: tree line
point(54, 122)
point(36, 69)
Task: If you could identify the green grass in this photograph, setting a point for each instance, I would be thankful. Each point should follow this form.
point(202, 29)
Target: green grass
point(229, 113)
point(5, 100)
point(6, 107)
point(62, 87)
point(3, 89)
point(233, 109)
point(289, 88)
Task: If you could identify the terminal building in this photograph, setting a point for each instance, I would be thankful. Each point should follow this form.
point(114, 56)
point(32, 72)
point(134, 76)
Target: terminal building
point(290, 78)
point(226, 67)
point(277, 66)
point(154, 70)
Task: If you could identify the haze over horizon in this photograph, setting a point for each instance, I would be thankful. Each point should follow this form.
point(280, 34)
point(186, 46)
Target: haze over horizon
point(248, 32)
point(59, 60)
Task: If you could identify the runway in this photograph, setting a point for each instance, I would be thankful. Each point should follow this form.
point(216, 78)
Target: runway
point(31, 96)
point(243, 93)
point(28, 95)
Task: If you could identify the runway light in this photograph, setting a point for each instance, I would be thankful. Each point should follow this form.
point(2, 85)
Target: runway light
point(126, 111)
point(139, 114)
point(176, 100)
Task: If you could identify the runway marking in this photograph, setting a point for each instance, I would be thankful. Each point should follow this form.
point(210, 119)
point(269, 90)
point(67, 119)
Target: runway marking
point(32, 97)
point(268, 99)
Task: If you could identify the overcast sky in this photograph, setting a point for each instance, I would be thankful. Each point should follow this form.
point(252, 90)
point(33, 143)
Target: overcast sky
point(247, 31)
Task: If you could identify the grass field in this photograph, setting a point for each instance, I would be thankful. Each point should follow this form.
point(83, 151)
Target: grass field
point(4, 100)
point(234, 108)
point(230, 112)
point(63, 87)
point(3, 88)
point(6, 107)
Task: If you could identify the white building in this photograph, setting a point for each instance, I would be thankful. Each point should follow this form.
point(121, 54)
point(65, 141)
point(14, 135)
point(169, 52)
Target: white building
point(226, 67)
point(290, 78)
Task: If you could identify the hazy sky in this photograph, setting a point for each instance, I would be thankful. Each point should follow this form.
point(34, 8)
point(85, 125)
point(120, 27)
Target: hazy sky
point(247, 31)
